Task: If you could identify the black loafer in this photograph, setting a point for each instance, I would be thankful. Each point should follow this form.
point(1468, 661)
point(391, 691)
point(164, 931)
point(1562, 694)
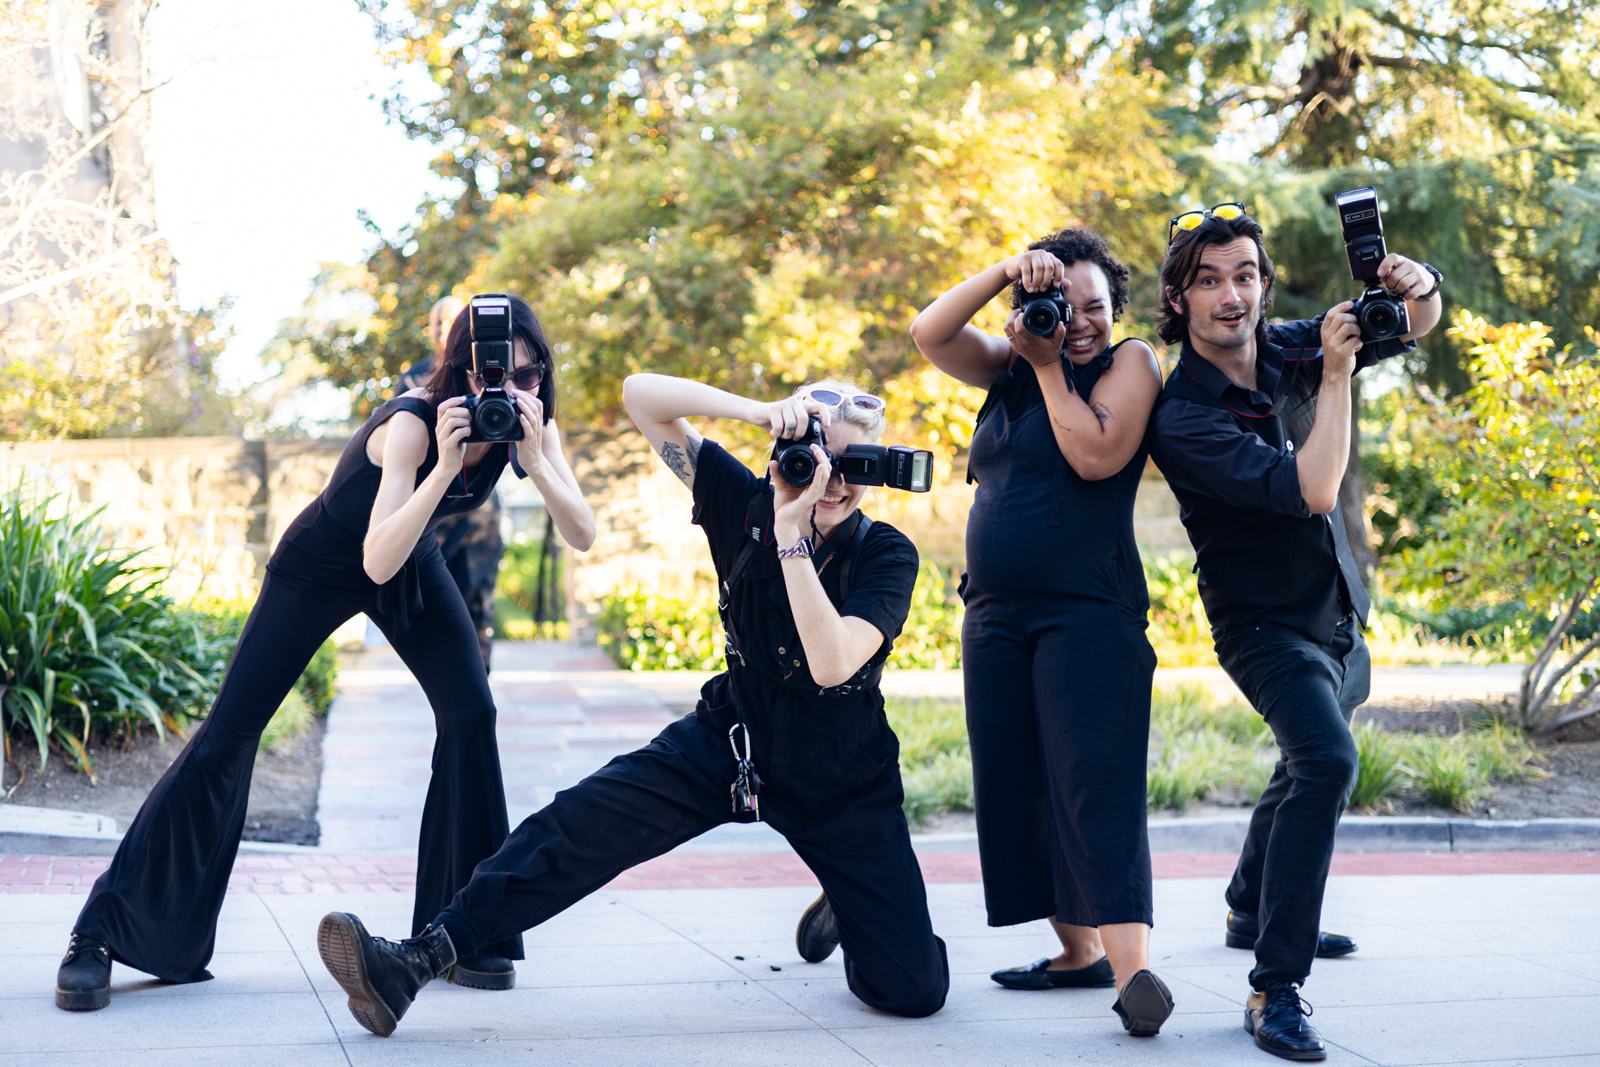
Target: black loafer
point(1037, 975)
point(84, 981)
point(486, 970)
point(1276, 1018)
point(1243, 930)
point(1144, 1004)
point(818, 933)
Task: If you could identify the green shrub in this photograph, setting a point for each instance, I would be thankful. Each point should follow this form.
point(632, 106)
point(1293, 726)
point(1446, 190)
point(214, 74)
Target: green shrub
point(1504, 754)
point(1381, 772)
point(89, 642)
point(223, 621)
point(1446, 773)
point(935, 757)
point(292, 719)
point(931, 636)
point(1199, 748)
point(643, 631)
point(319, 681)
point(518, 583)
point(933, 788)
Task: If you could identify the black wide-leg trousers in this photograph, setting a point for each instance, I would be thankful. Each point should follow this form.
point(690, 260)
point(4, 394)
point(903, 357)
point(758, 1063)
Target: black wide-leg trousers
point(1058, 713)
point(157, 904)
point(645, 803)
point(1307, 692)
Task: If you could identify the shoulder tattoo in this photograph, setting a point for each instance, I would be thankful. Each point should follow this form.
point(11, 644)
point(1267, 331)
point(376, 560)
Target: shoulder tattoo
point(673, 457)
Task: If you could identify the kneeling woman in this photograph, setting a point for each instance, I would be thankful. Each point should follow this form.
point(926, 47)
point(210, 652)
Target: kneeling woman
point(365, 544)
point(809, 626)
point(1057, 666)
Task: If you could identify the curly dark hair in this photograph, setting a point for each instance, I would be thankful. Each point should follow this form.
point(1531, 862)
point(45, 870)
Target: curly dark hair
point(1076, 245)
point(449, 376)
point(1182, 267)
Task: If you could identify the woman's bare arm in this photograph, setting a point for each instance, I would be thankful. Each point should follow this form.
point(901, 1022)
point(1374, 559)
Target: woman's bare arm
point(401, 510)
point(943, 332)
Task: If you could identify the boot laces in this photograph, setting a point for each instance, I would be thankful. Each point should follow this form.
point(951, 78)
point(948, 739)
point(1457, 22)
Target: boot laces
point(77, 944)
point(1285, 996)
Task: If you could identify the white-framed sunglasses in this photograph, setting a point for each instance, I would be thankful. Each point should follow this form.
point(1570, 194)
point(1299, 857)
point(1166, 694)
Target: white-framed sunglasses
point(864, 401)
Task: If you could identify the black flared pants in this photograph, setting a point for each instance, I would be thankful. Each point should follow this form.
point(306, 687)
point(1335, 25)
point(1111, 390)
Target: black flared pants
point(1306, 691)
point(645, 803)
point(1058, 713)
point(157, 904)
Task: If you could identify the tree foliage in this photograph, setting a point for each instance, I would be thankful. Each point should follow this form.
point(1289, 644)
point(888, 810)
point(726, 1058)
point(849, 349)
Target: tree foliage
point(1518, 459)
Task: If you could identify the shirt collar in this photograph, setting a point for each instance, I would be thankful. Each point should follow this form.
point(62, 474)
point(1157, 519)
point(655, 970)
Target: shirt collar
point(1269, 371)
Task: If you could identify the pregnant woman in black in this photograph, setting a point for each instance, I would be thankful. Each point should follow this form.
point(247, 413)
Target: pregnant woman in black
point(365, 544)
point(1057, 666)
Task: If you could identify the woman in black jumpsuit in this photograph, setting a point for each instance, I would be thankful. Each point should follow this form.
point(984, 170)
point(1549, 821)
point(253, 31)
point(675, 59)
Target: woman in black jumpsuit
point(155, 908)
point(1056, 663)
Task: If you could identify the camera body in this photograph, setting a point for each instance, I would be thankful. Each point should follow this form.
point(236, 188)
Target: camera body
point(1379, 313)
point(1042, 312)
point(494, 414)
point(895, 466)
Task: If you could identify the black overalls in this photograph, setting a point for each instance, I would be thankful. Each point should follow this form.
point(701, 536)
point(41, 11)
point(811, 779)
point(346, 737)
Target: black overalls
point(1057, 670)
point(157, 904)
point(828, 762)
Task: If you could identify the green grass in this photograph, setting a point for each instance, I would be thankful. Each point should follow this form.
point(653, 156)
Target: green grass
point(1381, 772)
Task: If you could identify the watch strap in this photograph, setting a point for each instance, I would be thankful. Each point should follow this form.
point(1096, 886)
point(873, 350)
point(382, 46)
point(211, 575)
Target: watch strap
point(1438, 280)
point(801, 549)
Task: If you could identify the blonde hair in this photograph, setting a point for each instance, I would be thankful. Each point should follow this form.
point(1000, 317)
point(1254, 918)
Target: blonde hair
point(872, 422)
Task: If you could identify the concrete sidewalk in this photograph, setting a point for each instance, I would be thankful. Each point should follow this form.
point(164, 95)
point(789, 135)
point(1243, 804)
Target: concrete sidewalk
point(1478, 969)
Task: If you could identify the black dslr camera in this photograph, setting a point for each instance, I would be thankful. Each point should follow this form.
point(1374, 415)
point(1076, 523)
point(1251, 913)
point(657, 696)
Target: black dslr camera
point(1043, 312)
point(895, 466)
point(1380, 313)
point(494, 413)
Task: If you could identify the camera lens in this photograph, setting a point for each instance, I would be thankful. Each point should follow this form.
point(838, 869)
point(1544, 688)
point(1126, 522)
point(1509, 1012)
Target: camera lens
point(495, 418)
point(1041, 318)
point(797, 465)
point(1378, 319)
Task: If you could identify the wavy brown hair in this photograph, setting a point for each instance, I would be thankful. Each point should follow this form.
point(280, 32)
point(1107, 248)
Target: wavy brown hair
point(1182, 267)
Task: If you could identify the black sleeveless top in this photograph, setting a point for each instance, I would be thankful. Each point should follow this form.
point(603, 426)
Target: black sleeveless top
point(1036, 528)
point(324, 543)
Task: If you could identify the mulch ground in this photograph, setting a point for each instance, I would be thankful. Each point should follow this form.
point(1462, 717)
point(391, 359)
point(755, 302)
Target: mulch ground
point(268, 874)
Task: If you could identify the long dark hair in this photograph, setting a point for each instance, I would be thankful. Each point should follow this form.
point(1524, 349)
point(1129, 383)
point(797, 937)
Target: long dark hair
point(1076, 245)
point(449, 376)
point(1182, 267)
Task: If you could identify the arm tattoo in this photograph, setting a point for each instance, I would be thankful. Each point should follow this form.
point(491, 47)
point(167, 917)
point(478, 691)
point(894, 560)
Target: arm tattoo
point(1101, 412)
point(693, 444)
point(672, 456)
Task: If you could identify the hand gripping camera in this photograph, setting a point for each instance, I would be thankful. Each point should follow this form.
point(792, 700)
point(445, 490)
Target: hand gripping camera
point(1043, 312)
point(494, 413)
point(1380, 313)
point(895, 466)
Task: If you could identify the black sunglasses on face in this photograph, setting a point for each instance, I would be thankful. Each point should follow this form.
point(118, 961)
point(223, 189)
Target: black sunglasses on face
point(524, 378)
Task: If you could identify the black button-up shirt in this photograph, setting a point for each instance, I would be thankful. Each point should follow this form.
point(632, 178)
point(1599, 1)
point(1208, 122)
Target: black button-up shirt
point(1229, 455)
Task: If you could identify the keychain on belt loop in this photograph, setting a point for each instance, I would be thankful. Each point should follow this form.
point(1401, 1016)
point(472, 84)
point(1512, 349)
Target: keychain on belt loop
point(748, 784)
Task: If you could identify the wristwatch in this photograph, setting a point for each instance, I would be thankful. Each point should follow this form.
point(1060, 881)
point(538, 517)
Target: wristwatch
point(801, 549)
point(1438, 280)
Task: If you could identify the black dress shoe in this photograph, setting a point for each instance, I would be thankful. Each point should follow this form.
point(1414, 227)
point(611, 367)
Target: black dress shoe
point(818, 933)
point(1144, 1004)
point(84, 981)
point(381, 977)
point(1276, 1016)
point(1243, 929)
point(1037, 975)
point(486, 970)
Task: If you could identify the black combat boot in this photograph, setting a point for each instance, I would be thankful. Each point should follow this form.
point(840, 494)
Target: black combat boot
point(381, 977)
point(1276, 1017)
point(486, 970)
point(818, 933)
point(84, 981)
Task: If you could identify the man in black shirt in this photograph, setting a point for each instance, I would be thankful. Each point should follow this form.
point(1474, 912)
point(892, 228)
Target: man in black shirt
point(793, 732)
point(1252, 432)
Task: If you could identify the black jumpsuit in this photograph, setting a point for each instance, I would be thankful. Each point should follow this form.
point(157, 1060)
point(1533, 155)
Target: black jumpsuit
point(157, 904)
point(829, 764)
point(1057, 670)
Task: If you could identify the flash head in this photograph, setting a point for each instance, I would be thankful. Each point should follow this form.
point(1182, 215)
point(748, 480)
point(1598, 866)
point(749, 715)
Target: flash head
point(489, 317)
point(1362, 227)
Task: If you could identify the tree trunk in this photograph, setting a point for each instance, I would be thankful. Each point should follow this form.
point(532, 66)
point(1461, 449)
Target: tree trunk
point(1353, 493)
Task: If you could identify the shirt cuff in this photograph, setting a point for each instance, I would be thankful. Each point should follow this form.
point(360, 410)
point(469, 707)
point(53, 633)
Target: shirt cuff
point(1283, 489)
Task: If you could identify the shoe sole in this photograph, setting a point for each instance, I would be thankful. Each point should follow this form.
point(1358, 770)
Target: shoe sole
point(806, 918)
point(1148, 1003)
point(1234, 940)
point(82, 999)
point(339, 945)
point(459, 975)
point(1250, 1028)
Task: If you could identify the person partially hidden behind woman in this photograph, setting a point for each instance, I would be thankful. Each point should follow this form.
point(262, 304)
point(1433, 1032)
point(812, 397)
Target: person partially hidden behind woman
point(793, 732)
point(365, 544)
point(1057, 666)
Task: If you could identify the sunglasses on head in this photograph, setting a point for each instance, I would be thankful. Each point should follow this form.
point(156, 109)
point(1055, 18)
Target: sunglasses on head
point(1191, 220)
point(524, 378)
point(832, 399)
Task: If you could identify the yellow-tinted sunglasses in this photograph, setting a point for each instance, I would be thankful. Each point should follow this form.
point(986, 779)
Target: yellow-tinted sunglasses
point(1191, 220)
